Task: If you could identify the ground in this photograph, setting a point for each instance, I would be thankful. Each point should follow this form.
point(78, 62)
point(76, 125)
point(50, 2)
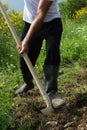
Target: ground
point(27, 115)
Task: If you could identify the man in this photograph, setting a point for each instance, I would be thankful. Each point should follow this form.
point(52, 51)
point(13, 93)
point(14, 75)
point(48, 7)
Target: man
point(42, 21)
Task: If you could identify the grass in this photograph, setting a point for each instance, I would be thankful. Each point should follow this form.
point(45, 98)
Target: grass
point(73, 57)
point(74, 41)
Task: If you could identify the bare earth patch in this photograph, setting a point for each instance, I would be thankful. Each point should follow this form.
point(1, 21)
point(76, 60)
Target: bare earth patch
point(27, 116)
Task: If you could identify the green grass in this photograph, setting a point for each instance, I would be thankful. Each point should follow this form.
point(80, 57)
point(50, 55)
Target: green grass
point(73, 56)
point(74, 42)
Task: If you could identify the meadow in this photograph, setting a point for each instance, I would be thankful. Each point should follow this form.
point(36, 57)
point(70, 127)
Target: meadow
point(19, 113)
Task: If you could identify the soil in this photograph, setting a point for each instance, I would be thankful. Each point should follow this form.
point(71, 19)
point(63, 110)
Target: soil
point(27, 115)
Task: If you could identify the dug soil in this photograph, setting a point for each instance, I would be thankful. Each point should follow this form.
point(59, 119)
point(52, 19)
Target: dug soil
point(27, 115)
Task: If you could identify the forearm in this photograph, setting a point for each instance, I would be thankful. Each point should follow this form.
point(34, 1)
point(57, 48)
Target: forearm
point(34, 28)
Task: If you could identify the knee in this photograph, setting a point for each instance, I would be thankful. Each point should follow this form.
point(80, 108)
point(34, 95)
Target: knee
point(53, 43)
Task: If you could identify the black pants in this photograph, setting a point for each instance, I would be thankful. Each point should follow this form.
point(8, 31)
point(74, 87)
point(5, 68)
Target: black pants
point(51, 32)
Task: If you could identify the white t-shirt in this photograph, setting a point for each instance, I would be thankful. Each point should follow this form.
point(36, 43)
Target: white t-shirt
point(30, 9)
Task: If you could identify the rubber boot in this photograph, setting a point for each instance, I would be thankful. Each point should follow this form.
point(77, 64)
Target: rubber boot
point(51, 75)
point(28, 85)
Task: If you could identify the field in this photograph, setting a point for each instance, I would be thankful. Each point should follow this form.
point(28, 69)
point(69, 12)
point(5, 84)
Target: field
point(23, 112)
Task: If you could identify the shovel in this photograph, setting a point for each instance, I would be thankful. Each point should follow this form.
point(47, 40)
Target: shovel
point(49, 109)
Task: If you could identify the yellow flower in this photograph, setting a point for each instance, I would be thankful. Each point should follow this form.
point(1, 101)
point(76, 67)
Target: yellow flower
point(80, 13)
point(15, 18)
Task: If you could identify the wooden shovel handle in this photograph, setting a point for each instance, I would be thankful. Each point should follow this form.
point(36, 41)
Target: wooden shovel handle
point(27, 60)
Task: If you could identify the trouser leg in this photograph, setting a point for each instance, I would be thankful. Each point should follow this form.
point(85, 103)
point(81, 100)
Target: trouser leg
point(34, 50)
point(51, 74)
point(51, 65)
point(52, 61)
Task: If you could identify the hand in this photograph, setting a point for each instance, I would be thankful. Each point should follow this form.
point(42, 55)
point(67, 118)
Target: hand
point(23, 47)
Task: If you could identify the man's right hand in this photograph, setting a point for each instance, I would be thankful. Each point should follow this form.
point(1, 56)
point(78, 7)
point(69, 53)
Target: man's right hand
point(22, 48)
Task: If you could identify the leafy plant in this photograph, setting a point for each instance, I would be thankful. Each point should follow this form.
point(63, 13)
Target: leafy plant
point(80, 15)
point(69, 7)
point(6, 120)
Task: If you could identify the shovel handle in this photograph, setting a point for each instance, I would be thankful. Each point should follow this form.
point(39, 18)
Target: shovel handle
point(27, 60)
